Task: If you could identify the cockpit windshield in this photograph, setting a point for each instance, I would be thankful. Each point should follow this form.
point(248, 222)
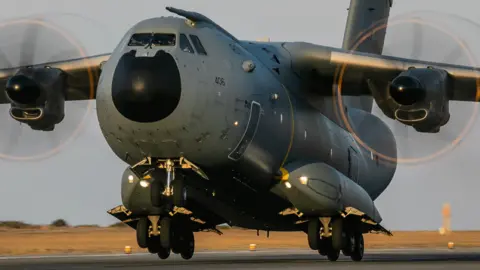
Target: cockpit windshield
point(152, 39)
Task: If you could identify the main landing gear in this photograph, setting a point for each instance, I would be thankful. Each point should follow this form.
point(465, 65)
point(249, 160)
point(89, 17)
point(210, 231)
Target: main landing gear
point(328, 237)
point(164, 235)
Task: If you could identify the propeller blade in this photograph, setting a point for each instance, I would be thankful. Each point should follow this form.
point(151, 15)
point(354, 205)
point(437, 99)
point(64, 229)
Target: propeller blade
point(4, 62)
point(65, 54)
point(13, 140)
point(417, 40)
point(29, 44)
point(420, 41)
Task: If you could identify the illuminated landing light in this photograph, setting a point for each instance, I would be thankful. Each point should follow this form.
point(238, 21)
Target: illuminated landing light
point(303, 180)
point(130, 179)
point(235, 123)
point(144, 183)
point(288, 185)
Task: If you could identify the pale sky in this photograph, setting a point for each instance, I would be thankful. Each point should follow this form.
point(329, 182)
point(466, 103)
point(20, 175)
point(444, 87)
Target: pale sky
point(82, 181)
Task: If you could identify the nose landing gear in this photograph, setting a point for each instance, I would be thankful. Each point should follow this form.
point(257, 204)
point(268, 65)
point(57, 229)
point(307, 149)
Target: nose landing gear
point(148, 236)
point(328, 236)
point(165, 187)
point(178, 238)
point(167, 232)
point(168, 165)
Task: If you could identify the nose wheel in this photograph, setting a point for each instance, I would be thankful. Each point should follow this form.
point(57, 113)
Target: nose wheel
point(146, 238)
point(359, 248)
point(329, 238)
point(178, 238)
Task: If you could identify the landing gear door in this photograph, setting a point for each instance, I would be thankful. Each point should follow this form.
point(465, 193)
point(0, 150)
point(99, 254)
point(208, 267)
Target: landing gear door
point(250, 131)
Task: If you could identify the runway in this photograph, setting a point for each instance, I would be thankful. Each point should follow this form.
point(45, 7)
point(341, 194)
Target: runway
point(270, 259)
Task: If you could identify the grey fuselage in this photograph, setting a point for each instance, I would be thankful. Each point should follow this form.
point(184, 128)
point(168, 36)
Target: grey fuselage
point(222, 103)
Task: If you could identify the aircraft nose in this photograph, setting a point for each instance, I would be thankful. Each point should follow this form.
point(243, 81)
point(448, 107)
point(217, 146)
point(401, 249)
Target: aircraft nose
point(146, 89)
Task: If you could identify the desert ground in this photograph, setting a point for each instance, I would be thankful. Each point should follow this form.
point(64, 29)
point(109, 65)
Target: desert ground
point(113, 240)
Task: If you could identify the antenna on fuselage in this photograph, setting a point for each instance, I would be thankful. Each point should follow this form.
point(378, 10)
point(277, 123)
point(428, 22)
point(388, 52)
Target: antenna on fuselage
point(197, 17)
point(265, 39)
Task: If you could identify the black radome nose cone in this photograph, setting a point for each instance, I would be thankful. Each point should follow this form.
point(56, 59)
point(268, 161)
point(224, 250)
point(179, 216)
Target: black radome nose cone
point(146, 89)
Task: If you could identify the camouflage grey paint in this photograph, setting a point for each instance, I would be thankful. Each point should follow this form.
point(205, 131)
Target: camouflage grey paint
point(212, 118)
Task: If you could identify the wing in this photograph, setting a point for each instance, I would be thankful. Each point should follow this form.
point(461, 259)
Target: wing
point(83, 75)
point(324, 64)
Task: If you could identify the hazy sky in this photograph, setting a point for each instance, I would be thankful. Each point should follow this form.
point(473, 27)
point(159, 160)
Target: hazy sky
point(82, 181)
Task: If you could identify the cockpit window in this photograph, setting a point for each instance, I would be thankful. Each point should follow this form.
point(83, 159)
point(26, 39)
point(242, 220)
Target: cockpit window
point(185, 44)
point(198, 45)
point(153, 39)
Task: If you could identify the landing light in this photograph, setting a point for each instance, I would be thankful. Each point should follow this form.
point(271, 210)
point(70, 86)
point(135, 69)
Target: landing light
point(303, 180)
point(288, 185)
point(144, 183)
point(130, 179)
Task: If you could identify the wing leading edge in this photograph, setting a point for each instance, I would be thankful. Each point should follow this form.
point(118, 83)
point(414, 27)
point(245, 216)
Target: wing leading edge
point(83, 75)
point(356, 68)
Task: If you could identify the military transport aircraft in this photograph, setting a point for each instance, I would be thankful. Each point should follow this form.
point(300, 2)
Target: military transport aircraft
point(274, 136)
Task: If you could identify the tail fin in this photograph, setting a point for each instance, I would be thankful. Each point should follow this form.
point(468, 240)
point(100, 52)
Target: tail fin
point(362, 15)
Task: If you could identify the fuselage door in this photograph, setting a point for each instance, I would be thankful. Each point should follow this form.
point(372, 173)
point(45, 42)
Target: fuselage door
point(352, 164)
point(249, 134)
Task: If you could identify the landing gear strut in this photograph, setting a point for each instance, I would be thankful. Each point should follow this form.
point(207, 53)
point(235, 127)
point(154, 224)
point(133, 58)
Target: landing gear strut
point(166, 187)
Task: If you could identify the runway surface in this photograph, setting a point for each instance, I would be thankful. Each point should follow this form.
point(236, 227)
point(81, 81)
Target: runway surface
point(271, 259)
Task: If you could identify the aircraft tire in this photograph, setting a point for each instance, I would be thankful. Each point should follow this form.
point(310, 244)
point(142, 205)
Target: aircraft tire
point(323, 246)
point(357, 254)
point(349, 246)
point(163, 253)
point(176, 239)
point(314, 233)
point(156, 195)
point(179, 192)
point(333, 254)
point(165, 232)
point(337, 234)
point(154, 244)
point(143, 225)
point(188, 246)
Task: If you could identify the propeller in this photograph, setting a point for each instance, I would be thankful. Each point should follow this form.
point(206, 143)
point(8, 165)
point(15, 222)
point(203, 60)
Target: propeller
point(31, 41)
point(437, 37)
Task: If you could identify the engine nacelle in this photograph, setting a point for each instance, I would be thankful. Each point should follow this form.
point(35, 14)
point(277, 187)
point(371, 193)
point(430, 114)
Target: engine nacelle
point(37, 97)
point(419, 98)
